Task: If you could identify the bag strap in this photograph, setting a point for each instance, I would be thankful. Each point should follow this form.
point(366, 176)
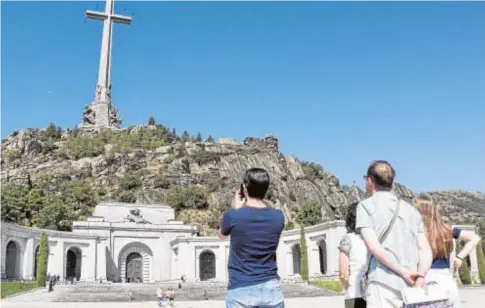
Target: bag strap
point(384, 235)
point(391, 224)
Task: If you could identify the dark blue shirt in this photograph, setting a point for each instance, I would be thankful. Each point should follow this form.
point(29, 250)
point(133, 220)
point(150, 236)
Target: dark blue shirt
point(255, 235)
point(440, 263)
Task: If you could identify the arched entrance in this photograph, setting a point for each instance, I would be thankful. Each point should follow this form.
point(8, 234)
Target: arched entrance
point(207, 265)
point(36, 256)
point(296, 254)
point(13, 260)
point(322, 254)
point(134, 262)
point(73, 263)
point(134, 267)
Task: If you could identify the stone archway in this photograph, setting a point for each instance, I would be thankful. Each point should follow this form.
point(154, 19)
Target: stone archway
point(296, 254)
point(322, 256)
point(207, 265)
point(134, 267)
point(135, 262)
point(13, 260)
point(73, 263)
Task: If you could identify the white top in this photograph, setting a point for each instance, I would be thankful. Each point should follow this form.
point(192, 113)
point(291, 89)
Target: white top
point(354, 246)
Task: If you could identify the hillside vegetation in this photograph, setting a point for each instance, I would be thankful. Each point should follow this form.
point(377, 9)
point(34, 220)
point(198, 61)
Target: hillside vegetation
point(51, 177)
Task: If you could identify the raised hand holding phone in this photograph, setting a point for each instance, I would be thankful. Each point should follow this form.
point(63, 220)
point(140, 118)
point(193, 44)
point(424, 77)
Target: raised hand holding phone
point(240, 198)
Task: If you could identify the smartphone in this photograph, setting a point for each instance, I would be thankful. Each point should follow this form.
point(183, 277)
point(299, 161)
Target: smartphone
point(241, 192)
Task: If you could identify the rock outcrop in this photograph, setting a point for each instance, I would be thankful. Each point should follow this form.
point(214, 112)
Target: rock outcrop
point(31, 159)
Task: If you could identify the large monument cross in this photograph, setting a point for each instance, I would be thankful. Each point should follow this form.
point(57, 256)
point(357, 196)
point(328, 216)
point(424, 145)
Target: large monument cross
point(101, 112)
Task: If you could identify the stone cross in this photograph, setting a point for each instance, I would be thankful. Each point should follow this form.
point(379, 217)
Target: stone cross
point(101, 113)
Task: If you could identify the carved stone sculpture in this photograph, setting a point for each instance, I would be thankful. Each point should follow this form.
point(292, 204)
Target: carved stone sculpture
point(114, 118)
point(88, 115)
point(136, 217)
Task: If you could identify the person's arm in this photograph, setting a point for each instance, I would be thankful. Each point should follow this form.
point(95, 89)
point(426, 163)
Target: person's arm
point(383, 256)
point(471, 240)
point(425, 254)
point(226, 226)
point(343, 268)
point(365, 226)
point(344, 247)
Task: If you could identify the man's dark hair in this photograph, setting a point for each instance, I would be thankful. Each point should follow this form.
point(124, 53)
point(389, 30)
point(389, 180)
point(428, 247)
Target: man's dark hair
point(256, 181)
point(351, 217)
point(382, 174)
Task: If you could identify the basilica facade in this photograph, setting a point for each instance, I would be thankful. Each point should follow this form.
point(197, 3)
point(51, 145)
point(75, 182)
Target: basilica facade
point(143, 243)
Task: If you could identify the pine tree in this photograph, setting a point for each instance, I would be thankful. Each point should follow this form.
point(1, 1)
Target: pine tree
point(198, 138)
point(151, 121)
point(481, 262)
point(42, 259)
point(210, 139)
point(186, 137)
point(304, 255)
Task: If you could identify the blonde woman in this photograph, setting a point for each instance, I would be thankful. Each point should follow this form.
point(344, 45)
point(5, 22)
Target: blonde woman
point(440, 236)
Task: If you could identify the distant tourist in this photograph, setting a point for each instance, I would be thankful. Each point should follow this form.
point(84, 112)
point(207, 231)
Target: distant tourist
point(170, 294)
point(130, 296)
point(352, 261)
point(160, 296)
point(440, 236)
point(254, 230)
point(206, 295)
point(393, 231)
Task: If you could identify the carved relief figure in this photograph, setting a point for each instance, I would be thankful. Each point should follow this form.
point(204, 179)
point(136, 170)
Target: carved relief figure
point(114, 119)
point(136, 217)
point(88, 115)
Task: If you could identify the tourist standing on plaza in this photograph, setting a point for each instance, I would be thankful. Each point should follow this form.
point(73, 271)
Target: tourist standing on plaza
point(160, 296)
point(254, 230)
point(393, 231)
point(352, 261)
point(440, 236)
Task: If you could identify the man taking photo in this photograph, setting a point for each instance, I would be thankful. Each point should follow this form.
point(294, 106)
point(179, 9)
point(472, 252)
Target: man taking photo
point(254, 230)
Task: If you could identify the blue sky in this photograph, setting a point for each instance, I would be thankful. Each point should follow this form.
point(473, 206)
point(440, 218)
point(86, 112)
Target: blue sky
point(338, 83)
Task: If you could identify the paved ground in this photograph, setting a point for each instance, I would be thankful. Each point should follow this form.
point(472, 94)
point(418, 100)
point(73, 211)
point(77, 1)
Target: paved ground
point(471, 298)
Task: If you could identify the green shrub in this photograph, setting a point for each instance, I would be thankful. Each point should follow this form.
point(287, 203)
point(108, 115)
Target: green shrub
point(11, 155)
point(129, 182)
point(204, 157)
point(11, 288)
point(304, 255)
point(81, 146)
point(312, 170)
point(42, 258)
point(332, 285)
point(161, 181)
point(464, 272)
point(121, 195)
point(192, 197)
point(309, 213)
point(481, 263)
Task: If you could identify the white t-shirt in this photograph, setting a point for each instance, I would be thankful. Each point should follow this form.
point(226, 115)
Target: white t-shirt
point(354, 246)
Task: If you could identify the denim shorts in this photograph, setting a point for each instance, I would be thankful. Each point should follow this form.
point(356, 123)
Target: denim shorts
point(264, 295)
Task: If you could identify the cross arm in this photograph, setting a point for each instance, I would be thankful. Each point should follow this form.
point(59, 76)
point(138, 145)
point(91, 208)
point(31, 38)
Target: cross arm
point(102, 16)
point(121, 19)
point(96, 15)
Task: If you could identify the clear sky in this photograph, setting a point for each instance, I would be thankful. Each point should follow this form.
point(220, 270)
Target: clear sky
point(338, 83)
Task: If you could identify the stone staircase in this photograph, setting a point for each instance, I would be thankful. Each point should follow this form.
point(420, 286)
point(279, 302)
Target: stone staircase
point(119, 292)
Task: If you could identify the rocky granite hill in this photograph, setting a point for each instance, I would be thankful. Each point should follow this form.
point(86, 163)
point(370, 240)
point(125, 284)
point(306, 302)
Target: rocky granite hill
point(52, 176)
